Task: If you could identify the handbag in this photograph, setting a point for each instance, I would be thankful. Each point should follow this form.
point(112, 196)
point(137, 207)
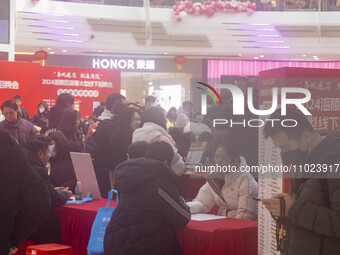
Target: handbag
point(96, 242)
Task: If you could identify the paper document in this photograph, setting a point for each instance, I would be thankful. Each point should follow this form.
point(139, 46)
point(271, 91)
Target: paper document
point(203, 217)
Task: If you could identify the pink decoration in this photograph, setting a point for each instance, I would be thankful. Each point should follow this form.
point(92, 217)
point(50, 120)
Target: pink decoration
point(188, 5)
point(250, 12)
point(210, 12)
point(216, 68)
point(34, 1)
point(210, 8)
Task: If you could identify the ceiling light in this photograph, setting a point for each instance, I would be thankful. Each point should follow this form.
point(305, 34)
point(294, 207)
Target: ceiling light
point(261, 56)
point(150, 83)
point(100, 51)
point(165, 53)
point(256, 57)
point(49, 49)
point(304, 55)
point(315, 56)
point(51, 52)
point(64, 50)
point(240, 55)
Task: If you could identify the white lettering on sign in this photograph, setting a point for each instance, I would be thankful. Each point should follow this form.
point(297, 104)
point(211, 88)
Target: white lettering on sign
point(123, 64)
point(79, 92)
point(9, 85)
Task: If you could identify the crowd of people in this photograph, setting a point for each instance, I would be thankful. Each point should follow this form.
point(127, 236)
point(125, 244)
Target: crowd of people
point(141, 152)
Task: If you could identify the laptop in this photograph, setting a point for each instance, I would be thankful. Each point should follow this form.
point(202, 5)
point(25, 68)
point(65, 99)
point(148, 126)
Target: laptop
point(84, 170)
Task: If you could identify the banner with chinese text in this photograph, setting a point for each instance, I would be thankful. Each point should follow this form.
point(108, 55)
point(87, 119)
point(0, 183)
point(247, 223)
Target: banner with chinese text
point(35, 83)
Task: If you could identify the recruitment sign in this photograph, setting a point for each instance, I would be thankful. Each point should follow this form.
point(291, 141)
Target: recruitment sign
point(35, 83)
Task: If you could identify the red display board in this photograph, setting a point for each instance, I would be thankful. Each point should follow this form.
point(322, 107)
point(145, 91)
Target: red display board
point(21, 79)
point(323, 84)
point(36, 83)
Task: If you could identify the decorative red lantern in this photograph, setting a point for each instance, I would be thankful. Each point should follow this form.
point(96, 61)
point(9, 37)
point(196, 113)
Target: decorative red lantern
point(40, 55)
point(179, 61)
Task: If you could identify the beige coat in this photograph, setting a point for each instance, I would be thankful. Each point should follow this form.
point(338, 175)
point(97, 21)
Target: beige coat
point(237, 202)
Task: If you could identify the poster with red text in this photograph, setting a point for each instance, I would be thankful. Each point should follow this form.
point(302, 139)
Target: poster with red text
point(35, 83)
point(88, 86)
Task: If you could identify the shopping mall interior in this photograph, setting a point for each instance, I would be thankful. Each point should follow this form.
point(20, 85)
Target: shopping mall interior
point(205, 54)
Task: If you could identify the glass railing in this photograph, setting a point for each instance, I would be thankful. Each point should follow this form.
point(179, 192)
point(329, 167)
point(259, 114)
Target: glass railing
point(262, 5)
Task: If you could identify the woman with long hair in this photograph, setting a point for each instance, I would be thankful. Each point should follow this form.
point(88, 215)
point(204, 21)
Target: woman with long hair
point(69, 125)
point(62, 171)
point(113, 145)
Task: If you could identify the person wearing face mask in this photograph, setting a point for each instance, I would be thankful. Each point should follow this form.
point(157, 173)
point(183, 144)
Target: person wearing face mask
point(37, 152)
point(62, 172)
point(13, 124)
point(231, 192)
point(312, 206)
point(40, 119)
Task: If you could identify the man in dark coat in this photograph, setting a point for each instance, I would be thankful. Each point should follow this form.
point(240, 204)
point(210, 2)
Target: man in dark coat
point(24, 197)
point(22, 111)
point(150, 207)
point(312, 206)
point(38, 155)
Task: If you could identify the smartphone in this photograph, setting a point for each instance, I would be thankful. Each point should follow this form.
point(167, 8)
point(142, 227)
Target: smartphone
point(257, 199)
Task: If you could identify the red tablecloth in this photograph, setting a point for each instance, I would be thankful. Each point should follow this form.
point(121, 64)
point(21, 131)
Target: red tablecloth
point(223, 236)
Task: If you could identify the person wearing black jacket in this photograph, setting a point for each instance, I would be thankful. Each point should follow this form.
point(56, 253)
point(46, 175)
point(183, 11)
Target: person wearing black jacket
point(22, 111)
point(150, 207)
point(64, 101)
point(24, 196)
point(40, 119)
point(38, 155)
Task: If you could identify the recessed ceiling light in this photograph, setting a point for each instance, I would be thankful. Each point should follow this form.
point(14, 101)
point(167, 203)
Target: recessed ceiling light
point(51, 52)
point(49, 49)
point(256, 57)
point(261, 56)
point(64, 50)
point(304, 56)
point(315, 56)
point(100, 51)
point(165, 53)
point(240, 55)
point(150, 83)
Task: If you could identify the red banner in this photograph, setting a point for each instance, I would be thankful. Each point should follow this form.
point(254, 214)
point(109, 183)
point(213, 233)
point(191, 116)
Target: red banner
point(323, 84)
point(36, 83)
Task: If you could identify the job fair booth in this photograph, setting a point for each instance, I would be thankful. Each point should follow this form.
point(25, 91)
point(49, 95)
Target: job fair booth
point(202, 235)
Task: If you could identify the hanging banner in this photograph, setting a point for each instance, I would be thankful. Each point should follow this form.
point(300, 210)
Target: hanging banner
point(88, 86)
point(35, 83)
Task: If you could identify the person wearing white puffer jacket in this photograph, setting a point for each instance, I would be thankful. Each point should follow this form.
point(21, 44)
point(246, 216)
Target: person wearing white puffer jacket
point(231, 192)
point(154, 130)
